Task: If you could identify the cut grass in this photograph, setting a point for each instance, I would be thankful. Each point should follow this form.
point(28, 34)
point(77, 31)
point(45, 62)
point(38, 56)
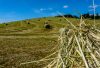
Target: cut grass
point(15, 51)
point(77, 41)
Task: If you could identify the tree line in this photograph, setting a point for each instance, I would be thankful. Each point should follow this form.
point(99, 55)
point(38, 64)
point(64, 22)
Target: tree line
point(91, 16)
point(86, 16)
point(68, 16)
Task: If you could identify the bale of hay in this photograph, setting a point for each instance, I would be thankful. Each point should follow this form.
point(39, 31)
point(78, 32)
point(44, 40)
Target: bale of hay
point(28, 23)
point(39, 20)
point(6, 24)
point(47, 25)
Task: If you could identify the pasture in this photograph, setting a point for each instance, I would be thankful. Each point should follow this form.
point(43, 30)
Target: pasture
point(28, 40)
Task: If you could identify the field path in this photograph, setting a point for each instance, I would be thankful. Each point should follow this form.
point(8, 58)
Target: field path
point(55, 36)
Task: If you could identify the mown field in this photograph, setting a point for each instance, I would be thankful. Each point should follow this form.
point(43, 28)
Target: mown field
point(28, 40)
point(13, 52)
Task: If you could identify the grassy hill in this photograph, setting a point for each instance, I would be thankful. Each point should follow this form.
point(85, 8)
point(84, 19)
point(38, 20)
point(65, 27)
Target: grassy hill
point(30, 26)
point(36, 26)
point(28, 40)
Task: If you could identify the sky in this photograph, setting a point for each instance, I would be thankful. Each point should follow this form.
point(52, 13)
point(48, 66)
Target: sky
point(13, 10)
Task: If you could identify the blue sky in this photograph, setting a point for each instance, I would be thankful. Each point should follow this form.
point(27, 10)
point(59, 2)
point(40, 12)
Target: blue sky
point(12, 10)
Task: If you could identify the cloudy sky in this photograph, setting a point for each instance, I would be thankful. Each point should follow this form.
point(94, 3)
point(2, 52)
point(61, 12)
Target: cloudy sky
point(11, 10)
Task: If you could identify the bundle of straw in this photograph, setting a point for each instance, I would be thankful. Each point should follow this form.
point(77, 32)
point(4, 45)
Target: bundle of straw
point(78, 48)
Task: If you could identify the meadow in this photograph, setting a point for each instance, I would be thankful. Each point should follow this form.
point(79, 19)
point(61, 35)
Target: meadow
point(28, 40)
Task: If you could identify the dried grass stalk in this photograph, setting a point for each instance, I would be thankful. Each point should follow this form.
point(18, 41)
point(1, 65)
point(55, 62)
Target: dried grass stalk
point(78, 48)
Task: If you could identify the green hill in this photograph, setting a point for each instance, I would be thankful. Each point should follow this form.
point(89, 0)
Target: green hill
point(36, 26)
point(31, 26)
point(28, 40)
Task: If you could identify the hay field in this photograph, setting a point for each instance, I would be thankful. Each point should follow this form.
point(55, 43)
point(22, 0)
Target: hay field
point(21, 42)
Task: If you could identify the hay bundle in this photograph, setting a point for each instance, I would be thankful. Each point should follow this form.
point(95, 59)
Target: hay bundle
point(78, 48)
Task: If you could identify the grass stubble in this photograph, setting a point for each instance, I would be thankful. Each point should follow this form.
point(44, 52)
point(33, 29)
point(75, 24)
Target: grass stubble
point(79, 47)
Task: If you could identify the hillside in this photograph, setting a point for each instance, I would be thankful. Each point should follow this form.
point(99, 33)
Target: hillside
point(36, 26)
point(32, 26)
point(28, 40)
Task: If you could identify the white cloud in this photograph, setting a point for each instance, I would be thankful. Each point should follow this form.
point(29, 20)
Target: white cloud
point(41, 10)
point(46, 9)
point(95, 6)
point(65, 6)
point(92, 7)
